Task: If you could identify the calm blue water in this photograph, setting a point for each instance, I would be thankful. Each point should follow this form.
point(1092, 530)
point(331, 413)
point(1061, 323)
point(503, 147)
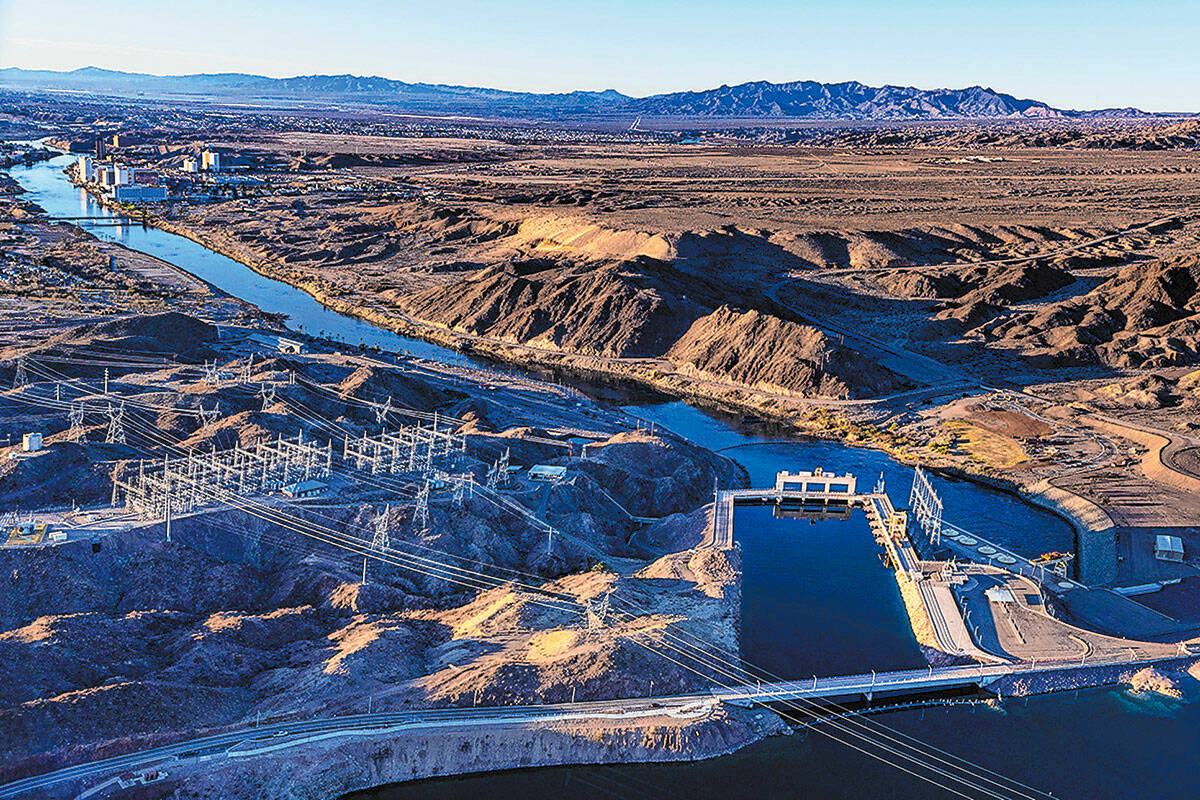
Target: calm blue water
point(48, 187)
point(994, 514)
point(814, 599)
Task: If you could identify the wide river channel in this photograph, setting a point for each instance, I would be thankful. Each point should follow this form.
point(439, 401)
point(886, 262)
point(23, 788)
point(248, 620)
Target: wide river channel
point(816, 600)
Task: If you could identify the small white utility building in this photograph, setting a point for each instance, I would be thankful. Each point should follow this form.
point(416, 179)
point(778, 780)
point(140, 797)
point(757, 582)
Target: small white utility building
point(306, 488)
point(1168, 548)
point(547, 472)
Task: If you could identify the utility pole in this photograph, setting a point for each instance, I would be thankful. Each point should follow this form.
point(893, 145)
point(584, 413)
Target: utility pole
point(106, 381)
point(167, 487)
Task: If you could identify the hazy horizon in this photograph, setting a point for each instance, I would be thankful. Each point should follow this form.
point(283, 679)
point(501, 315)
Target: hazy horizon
point(485, 86)
point(1074, 55)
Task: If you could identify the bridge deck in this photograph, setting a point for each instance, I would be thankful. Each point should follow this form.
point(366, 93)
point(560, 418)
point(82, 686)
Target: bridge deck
point(899, 682)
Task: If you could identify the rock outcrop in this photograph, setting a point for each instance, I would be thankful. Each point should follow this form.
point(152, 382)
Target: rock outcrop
point(765, 352)
point(1145, 316)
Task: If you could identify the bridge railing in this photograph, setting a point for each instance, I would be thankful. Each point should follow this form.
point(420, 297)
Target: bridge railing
point(925, 677)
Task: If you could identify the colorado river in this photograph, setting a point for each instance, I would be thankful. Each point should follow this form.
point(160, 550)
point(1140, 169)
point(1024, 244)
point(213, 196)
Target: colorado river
point(1098, 743)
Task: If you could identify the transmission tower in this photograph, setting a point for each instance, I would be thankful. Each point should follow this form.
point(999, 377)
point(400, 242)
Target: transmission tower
point(927, 506)
point(20, 378)
point(247, 368)
point(211, 375)
point(267, 393)
point(421, 512)
point(460, 486)
point(379, 539)
point(382, 411)
point(502, 469)
point(116, 424)
point(597, 614)
point(210, 415)
point(77, 431)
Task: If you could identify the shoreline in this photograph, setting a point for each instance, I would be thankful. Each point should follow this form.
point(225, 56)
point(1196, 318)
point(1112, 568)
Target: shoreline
point(743, 400)
point(510, 356)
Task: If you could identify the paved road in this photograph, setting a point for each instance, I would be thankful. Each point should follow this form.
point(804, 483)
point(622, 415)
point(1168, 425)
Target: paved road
point(280, 735)
point(921, 369)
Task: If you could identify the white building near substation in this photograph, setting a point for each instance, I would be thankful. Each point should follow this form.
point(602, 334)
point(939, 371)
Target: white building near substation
point(1168, 548)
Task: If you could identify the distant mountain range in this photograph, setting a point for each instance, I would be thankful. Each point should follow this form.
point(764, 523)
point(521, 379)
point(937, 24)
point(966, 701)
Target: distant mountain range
point(759, 99)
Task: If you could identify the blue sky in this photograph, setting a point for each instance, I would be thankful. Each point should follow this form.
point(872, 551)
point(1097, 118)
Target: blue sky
point(1070, 54)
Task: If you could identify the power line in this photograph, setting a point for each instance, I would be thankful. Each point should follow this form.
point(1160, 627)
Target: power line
point(440, 570)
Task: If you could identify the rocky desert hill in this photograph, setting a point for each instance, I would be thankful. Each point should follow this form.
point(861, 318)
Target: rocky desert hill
point(128, 638)
point(1146, 316)
point(764, 352)
point(129, 644)
point(574, 282)
point(614, 310)
point(1150, 391)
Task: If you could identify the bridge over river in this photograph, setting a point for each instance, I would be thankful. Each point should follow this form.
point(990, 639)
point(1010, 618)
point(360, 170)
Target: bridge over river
point(254, 741)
